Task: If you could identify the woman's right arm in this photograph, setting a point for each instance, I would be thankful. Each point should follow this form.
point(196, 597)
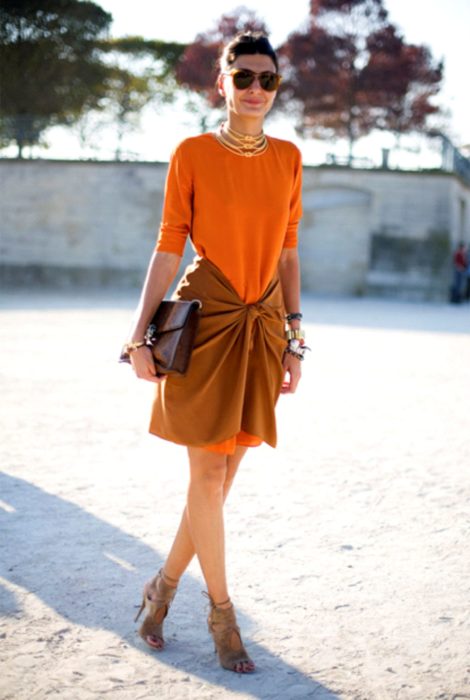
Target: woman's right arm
point(161, 273)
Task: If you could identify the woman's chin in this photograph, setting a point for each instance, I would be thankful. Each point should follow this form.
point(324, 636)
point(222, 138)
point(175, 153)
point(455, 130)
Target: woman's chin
point(252, 112)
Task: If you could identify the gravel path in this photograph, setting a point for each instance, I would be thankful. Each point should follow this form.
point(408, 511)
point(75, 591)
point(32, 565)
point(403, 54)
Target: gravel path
point(348, 546)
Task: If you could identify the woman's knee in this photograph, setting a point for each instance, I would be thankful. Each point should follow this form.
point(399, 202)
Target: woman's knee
point(208, 470)
point(229, 476)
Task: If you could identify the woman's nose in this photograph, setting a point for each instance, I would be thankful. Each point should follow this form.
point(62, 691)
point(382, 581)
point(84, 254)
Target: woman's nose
point(255, 85)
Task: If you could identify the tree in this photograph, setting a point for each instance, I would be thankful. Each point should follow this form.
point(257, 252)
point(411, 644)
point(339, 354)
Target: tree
point(401, 80)
point(50, 72)
point(148, 77)
point(350, 72)
point(57, 64)
point(161, 60)
point(128, 96)
point(197, 69)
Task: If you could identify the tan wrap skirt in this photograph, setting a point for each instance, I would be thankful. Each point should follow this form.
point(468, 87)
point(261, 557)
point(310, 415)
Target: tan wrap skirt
point(235, 375)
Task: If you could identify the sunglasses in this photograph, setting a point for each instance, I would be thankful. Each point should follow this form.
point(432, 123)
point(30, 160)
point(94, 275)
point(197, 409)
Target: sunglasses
point(244, 77)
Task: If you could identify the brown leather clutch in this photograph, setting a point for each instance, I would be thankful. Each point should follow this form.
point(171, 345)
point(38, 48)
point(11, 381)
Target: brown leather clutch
point(171, 334)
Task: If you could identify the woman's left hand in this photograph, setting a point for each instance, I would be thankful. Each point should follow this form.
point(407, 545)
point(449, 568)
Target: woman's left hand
point(293, 373)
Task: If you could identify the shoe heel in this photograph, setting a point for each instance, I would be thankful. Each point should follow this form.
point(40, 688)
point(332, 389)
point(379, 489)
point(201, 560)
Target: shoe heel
point(141, 609)
point(156, 607)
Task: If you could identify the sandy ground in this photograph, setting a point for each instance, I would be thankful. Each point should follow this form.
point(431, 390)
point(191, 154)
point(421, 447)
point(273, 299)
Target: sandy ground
point(348, 549)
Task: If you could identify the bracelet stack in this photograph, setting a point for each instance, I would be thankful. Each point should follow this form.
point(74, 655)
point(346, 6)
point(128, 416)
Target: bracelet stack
point(295, 337)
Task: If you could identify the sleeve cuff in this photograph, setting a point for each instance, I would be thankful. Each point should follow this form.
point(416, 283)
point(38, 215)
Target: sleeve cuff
point(170, 247)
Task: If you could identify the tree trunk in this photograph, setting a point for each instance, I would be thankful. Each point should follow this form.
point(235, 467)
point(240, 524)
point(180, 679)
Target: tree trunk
point(120, 134)
point(351, 140)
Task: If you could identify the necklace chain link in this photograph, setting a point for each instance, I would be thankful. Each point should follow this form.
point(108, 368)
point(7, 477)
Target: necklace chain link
point(245, 144)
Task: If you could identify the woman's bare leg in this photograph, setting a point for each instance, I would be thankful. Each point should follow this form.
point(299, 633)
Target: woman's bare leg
point(182, 550)
point(205, 517)
point(233, 462)
point(211, 478)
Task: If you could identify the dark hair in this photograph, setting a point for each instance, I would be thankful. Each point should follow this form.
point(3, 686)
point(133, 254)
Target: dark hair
point(247, 43)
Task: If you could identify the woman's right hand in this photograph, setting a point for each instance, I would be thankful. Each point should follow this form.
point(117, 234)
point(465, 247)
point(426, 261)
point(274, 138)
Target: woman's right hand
point(144, 366)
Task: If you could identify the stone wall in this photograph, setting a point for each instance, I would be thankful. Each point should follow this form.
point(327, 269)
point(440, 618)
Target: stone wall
point(78, 221)
point(95, 222)
point(381, 232)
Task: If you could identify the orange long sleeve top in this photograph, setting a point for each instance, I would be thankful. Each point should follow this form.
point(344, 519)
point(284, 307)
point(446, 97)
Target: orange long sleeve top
point(239, 212)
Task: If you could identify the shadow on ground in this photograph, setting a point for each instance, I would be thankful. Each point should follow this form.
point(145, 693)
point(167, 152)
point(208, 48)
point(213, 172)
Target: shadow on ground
point(95, 581)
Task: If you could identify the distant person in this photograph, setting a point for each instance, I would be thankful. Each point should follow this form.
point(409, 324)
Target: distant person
point(460, 265)
point(237, 194)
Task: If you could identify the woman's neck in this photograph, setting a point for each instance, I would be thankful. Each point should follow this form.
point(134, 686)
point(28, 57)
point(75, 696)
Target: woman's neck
point(250, 127)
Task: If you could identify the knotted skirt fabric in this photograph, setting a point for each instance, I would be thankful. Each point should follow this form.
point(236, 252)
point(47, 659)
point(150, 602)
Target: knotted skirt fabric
point(235, 374)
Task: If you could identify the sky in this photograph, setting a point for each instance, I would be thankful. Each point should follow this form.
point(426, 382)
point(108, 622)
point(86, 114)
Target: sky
point(443, 26)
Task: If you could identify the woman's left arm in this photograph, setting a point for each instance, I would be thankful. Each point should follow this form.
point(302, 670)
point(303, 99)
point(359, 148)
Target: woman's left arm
point(289, 276)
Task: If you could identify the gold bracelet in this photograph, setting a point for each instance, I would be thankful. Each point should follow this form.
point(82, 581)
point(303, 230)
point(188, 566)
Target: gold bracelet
point(130, 347)
point(296, 334)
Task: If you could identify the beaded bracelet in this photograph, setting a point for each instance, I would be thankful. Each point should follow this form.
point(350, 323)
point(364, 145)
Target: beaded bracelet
point(294, 317)
point(298, 355)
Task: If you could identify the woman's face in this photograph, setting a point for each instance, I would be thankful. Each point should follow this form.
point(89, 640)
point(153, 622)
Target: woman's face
point(253, 101)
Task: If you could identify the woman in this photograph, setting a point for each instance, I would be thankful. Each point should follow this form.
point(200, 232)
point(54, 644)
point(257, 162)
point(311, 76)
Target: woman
point(237, 193)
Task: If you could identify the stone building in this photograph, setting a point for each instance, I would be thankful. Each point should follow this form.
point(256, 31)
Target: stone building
point(382, 232)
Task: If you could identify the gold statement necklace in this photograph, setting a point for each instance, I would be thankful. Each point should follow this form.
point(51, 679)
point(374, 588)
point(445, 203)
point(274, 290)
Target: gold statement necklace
point(241, 144)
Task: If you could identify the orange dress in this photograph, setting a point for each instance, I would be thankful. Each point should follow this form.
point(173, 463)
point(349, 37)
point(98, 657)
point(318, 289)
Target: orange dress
point(239, 213)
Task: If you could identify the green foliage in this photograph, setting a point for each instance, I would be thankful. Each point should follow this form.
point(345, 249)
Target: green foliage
point(167, 52)
point(161, 58)
point(57, 64)
point(50, 71)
